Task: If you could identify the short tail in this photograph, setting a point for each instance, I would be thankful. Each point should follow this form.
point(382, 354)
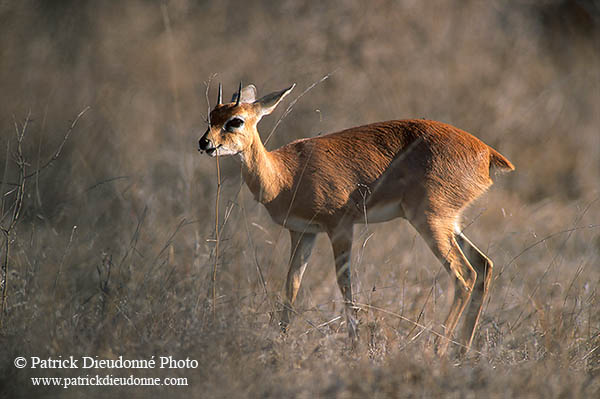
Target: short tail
point(499, 163)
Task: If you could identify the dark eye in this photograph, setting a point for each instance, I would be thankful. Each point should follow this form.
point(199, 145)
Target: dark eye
point(234, 124)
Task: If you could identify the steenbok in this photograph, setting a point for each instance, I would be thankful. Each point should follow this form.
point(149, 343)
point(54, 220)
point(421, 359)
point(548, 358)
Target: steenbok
point(424, 171)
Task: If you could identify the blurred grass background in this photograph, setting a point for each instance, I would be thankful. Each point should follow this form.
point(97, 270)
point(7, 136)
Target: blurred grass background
point(113, 253)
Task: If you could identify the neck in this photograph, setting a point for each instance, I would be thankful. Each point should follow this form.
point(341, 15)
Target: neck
point(262, 172)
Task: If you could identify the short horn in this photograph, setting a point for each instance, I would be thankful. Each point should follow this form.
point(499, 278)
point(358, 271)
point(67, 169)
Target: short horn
point(220, 95)
point(239, 94)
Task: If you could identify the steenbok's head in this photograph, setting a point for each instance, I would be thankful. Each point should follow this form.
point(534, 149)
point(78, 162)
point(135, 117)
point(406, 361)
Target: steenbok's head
point(232, 127)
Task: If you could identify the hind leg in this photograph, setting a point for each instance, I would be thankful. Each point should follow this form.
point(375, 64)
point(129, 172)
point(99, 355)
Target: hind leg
point(438, 233)
point(483, 267)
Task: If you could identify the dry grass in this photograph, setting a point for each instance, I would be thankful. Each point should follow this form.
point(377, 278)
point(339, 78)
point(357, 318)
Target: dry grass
point(114, 251)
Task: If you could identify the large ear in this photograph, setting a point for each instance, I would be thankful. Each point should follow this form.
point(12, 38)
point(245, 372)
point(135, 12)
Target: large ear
point(248, 95)
point(267, 104)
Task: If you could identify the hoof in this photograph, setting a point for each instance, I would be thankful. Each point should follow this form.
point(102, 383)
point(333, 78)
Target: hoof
point(283, 326)
point(441, 346)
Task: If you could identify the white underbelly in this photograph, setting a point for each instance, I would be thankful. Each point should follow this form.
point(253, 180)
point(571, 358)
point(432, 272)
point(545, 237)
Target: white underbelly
point(302, 225)
point(375, 214)
point(384, 212)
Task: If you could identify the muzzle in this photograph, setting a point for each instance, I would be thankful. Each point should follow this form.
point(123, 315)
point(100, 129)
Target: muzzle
point(205, 145)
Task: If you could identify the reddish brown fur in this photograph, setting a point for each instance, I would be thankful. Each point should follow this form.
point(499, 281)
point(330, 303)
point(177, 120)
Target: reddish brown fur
point(424, 171)
point(449, 166)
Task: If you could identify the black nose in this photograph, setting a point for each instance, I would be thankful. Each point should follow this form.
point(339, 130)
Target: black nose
point(204, 143)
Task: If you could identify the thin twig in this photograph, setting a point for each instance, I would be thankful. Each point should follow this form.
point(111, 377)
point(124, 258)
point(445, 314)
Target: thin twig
point(18, 205)
point(39, 157)
point(56, 154)
point(217, 200)
point(18, 202)
point(3, 183)
point(104, 181)
point(543, 240)
point(214, 274)
point(62, 260)
point(416, 324)
point(324, 324)
point(207, 84)
point(62, 144)
point(4, 281)
point(294, 101)
point(557, 254)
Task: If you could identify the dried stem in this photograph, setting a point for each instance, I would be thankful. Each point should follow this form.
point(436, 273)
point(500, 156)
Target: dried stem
point(217, 200)
point(214, 274)
point(293, 102)
point(7, 227)
point(19, 159)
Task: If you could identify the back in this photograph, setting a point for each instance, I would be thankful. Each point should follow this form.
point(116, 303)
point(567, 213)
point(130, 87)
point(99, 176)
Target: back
point(379, 162)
